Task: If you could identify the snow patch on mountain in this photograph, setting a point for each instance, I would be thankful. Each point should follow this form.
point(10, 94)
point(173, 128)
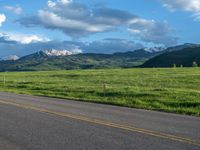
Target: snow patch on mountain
point(154, 49)
point(54, 52)
point(11, 57)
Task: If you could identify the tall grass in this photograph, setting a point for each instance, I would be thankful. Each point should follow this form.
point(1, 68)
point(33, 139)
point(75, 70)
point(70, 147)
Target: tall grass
point(171, 90)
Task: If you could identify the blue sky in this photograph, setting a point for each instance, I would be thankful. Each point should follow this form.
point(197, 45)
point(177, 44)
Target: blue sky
point(99, 26)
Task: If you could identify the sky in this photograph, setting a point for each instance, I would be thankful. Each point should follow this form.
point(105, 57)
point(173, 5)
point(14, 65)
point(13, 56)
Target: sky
point(96, 26)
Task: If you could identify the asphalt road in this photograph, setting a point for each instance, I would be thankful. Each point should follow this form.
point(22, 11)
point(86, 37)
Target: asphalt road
point(38, 123)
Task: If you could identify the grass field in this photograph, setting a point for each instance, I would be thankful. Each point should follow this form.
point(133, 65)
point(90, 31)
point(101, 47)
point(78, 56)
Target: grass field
point(171, 90)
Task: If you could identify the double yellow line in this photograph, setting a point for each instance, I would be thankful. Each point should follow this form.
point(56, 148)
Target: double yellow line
point(107, 123)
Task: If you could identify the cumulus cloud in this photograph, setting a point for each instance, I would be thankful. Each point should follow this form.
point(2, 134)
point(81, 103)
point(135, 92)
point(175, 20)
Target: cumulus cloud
point(51, 4)
point(21, 38)
point(153, 31)
point(15, 9)
point(192, 6)
point(77, 20)
point(2, 19)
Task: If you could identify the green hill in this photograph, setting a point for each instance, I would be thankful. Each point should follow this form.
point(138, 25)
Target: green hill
point(40, 61)
point(184, 57)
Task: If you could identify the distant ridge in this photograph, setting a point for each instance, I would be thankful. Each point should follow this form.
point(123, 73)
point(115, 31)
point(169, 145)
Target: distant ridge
point(182, 57)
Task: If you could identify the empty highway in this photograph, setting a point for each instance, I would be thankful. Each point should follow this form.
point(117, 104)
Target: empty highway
point(40, 123)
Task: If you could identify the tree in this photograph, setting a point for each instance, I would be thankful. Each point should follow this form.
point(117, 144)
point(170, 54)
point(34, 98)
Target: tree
point(194, 64)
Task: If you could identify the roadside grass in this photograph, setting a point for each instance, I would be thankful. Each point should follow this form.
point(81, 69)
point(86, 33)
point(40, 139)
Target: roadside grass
point(174, 90)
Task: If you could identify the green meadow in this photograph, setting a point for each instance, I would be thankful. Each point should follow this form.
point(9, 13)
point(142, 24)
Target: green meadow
point(174, 90)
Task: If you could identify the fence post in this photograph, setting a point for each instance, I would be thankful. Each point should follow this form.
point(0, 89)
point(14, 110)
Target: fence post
point(104, 90)
point(4, 79)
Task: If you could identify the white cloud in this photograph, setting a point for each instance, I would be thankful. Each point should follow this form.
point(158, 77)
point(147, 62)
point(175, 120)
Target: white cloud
point(65, 1)
point(51, 4)
point(135, 31)
point(192, 6)
point(17, 10)
point(153, 31)
point(76, 20)
point(51, 19)
point(2, 19)
point(22, 38)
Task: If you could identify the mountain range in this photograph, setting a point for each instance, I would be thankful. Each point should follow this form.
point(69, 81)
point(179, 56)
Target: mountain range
point(43, 61)
point(184, 57)
point(64, 60)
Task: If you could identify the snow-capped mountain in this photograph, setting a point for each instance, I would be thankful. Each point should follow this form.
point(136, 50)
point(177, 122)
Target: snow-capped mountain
point(54, 52)
point(11, 57)
point(154, 49)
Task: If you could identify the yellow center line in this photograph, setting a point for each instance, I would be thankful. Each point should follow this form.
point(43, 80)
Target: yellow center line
point(106, 123)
